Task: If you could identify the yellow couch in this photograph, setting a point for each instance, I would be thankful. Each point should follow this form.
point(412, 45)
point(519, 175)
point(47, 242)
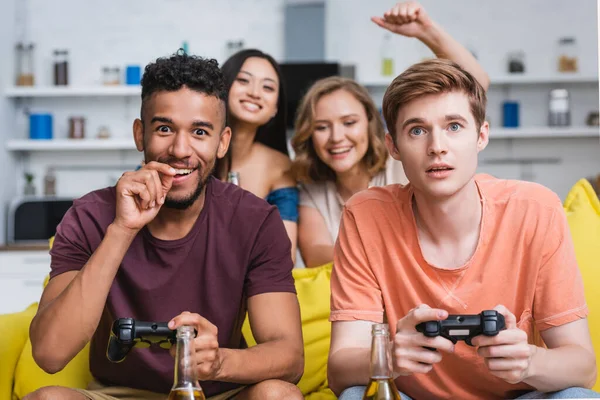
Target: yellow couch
point(20, 375)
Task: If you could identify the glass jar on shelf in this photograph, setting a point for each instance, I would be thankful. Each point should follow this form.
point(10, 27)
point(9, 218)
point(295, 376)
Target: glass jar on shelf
point(61, 67)
point(111, 76)
point(516, 62)
point(567, 55)
point(24, 52)
point(387, 56)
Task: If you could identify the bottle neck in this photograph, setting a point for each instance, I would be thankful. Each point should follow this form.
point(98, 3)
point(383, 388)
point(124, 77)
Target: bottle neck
point(381, 360)
point(185, 368)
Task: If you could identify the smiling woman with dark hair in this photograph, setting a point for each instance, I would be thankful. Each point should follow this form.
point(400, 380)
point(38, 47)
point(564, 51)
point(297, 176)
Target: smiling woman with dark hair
point(256, 113)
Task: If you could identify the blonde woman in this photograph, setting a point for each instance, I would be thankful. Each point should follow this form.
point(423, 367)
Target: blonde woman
point(340, 139)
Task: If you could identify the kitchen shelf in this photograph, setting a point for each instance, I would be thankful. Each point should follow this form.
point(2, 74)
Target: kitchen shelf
point(544, 132)
point(524, 79)
point(515, 79)
point(71, 144)
point(128, 144)
point(135, 90)
point(73, 91)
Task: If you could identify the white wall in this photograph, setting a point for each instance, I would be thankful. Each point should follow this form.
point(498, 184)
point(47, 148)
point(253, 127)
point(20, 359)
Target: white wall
point(7, 163)
point(492, 29)
point(114, 32)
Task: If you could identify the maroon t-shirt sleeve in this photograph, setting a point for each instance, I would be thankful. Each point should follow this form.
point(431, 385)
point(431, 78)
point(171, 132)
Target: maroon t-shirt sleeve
point(271, 264)
point(70, 250)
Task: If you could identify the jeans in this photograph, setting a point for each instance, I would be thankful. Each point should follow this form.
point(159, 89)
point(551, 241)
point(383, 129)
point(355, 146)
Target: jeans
point(356, 393)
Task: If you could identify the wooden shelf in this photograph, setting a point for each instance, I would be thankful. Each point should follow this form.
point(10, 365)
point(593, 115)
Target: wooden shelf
point(73, 91)
point(71, 144)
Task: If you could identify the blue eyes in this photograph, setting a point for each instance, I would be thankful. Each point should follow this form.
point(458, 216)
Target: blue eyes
point(416, 131)
point(453, 127)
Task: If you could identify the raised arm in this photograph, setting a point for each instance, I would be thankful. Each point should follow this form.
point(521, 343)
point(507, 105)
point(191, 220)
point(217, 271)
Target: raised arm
point(410, 19)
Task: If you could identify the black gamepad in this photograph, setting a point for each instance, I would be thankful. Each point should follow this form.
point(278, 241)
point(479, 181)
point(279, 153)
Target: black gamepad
point(464, 327)
point(127, 333)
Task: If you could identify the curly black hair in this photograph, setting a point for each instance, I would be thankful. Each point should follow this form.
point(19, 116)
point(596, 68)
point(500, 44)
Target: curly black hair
point(172, 73)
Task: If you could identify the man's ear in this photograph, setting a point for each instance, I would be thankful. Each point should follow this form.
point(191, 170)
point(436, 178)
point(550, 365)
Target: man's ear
point(138, 134)
point(224, 140)
point(484, 136)
point(391, 146)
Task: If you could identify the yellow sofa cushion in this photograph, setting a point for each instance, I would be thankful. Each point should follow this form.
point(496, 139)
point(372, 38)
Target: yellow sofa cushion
point(14, 330)
point(29, 377)
point(583, 214)
point(312, 286)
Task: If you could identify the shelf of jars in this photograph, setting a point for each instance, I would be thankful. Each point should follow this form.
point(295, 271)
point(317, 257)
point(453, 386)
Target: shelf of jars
point(26, 145)
point(512, 79)
point(72, 91)
point(544, 132)
point(111, 81)
point(541, 132)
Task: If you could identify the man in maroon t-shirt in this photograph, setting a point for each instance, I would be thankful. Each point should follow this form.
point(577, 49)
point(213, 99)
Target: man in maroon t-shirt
point(171, 243)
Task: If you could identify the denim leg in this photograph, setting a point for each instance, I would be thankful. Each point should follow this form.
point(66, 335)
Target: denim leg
point(357, 392)
point(353, 393)
point(570, 393)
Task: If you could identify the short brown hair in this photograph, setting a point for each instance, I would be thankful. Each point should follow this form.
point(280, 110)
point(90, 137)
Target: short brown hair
point(433, 76)
point(307, 166)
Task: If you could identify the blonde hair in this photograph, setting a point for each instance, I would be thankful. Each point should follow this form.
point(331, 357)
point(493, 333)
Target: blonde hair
point(433, 76)
point(307, 166)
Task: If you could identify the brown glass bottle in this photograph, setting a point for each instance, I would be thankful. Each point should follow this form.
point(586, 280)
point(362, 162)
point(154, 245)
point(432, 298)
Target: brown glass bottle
point(381, 385)
point(185, 386)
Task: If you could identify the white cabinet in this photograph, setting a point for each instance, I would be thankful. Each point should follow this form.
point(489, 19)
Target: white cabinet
point(22, 275)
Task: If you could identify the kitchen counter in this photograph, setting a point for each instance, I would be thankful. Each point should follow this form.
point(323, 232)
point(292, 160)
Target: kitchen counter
point(25, 247)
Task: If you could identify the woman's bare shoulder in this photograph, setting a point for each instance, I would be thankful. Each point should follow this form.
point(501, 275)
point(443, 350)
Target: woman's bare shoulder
point(275, 159)
point(277, 167)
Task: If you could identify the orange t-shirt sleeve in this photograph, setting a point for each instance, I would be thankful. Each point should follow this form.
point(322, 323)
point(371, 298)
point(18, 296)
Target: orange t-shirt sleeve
point(355, 293)
point(559, 294)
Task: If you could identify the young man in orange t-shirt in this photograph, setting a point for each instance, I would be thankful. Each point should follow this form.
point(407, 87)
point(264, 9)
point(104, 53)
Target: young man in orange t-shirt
point(456, 242)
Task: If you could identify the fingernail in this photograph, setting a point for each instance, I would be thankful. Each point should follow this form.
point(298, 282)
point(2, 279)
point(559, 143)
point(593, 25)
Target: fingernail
point(441, 314)
point(162, 200)
point(172, 170)
point(171, 324)
point(153, 204)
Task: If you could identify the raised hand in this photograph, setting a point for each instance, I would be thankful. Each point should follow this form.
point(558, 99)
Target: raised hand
point(141, 194)
point(405, 18)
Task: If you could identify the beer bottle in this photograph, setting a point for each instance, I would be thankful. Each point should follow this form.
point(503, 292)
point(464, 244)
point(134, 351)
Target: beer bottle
point(185, 386)
point(381, 385)
point(233, 177)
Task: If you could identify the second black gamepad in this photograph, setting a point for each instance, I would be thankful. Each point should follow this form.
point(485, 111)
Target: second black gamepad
point(464, 327)
point(127, 333)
